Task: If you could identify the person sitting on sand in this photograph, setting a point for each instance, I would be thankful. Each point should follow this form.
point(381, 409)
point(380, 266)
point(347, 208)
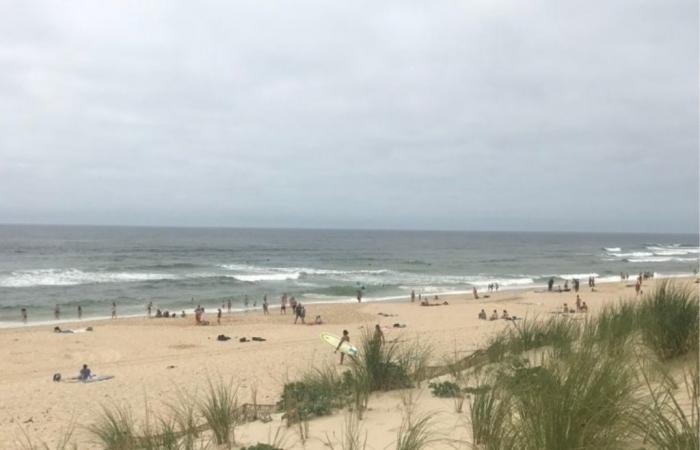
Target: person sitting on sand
point(566, 308)
point(378, 334)
point(476, 294)
point(482, 315)
point(182, 314)
point(584, 307)
point(318, 320)
point(345, 338)
point(505, 315)
point(494, 315)
point(85, 373)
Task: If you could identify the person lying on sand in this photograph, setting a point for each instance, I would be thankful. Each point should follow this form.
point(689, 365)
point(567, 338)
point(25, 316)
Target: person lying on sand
point(482, 315)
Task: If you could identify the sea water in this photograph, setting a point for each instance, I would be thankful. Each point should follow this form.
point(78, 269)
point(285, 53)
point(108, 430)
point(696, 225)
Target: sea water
point(179, 268)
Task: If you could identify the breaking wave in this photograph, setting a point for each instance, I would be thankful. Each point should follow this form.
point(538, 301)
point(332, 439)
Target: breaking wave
point(72, 277)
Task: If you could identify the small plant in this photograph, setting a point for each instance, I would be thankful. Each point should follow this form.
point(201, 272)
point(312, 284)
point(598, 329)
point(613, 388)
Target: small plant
point(260, 446)
point(490, 415)
point(65, 442)
point(114, 429)
point(220, 410)
point(415, 432)
point(351, 435)
point(445, 389)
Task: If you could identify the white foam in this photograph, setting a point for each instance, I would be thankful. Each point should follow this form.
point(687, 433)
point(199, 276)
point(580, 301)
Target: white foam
point(571, 276)
point(612, 249)
point(72, 277)
point(502, 282)
point(632, 254)
point(252, 278)
point(660, 259)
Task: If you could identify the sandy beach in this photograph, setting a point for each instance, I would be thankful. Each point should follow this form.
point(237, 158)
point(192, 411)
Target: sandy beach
point(152, 359)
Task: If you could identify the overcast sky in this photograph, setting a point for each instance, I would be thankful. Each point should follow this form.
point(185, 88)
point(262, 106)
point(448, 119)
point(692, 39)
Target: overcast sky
point(472, 114)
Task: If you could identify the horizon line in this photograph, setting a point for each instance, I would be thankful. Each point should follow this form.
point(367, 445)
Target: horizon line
point(388, 229)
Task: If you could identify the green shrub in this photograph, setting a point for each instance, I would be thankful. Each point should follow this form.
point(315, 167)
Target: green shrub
point(445, 389)
point(318, 394)
point(260, 446)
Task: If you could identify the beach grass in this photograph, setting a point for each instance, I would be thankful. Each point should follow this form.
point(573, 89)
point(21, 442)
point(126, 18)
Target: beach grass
point(385, 365)
point(65, 440)
point(219, 408)
point(115, 428)
point(670, 419)
point(668, 320)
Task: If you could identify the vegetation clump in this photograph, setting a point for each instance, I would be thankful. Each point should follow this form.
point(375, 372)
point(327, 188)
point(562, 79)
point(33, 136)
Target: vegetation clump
point(445, 389)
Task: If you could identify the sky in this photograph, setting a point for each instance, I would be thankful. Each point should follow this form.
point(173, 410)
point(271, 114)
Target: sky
point(466, 115)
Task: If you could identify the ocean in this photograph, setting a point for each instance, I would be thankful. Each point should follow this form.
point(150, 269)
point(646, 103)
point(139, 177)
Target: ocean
point(178, 268)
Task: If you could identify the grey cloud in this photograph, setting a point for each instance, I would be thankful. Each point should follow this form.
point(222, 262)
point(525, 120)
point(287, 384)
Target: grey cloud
point(466, 115)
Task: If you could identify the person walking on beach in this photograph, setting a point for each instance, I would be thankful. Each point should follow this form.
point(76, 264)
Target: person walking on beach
point(228, 306)
point(413, 296)
point(218, 317)
point(80, 312)
point(57, 312)
point(476, 294)
point(550, 284)
point(114, 310)
point(344, 338)
point(293, 304)
point(265, 306)
point(24, 315)
point(297, 312)
point(359, 296)
point(245, 301)
point(283, 304)
point(149, 309)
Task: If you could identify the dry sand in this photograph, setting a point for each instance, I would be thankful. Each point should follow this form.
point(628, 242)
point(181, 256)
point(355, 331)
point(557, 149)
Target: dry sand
point(151, 359)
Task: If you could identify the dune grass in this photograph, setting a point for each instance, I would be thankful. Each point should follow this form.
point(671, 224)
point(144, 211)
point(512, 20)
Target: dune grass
point(64, 442)
point(385, 365)
point(665, 420)
point(584, 391)
point(352, 436)
point(668, 320)
point(531, 334)
point(115, 428)
point(220, 411)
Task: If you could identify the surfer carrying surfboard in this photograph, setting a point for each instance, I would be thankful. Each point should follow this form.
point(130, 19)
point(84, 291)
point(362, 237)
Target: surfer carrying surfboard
point(345, 338)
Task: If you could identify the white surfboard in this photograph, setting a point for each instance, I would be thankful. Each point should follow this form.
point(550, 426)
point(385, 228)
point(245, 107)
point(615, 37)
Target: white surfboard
point(92, 379)
point(333, 340)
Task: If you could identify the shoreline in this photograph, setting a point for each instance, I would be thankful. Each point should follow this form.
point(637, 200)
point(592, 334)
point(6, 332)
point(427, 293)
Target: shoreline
point(4, 325)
